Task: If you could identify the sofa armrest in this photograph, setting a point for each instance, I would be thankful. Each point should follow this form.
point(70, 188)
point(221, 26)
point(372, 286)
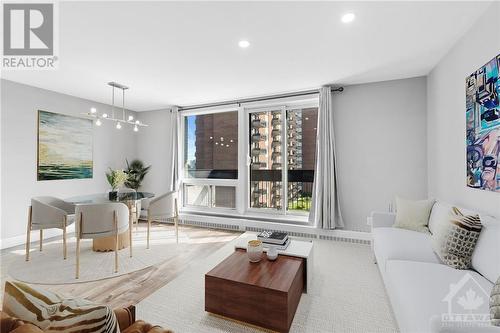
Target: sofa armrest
point(437, 326)
point(382, 219)
point(125, 317)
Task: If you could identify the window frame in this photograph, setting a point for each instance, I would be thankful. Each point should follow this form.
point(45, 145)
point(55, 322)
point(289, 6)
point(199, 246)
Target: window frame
point(242, 183)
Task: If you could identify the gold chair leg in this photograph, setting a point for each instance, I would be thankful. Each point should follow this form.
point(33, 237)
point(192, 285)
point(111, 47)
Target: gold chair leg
point(78, 234)
point(77, 256)
point(130, 226)
point(149, 227)
point(41, 239)
point(176, 210)
point(28, 235)
point(65, 251)
point(116, 242)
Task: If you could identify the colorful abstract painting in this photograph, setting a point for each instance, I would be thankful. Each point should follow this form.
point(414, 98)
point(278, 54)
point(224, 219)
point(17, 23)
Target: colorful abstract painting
point(483, 127)
point(64, 147)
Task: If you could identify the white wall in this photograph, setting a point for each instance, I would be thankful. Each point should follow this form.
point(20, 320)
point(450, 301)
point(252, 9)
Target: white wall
point(446, 115)
point(380, 131)
point(19, 106)
point(154, 147)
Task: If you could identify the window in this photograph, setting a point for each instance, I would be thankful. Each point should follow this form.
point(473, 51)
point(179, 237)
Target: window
point(282, 154)
point(211, 146)
point(273, 174)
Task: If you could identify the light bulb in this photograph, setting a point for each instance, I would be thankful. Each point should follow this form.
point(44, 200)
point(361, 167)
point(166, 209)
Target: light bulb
point(93, 110)
point(98, 122)
point(118, 125)
point(347, 18)
point(105, 115)
point(137, 122)
point(130, 118)
point(136, 129)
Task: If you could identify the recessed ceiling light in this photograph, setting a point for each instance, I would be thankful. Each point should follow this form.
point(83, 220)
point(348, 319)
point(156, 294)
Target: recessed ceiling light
point(243, 44)
point(347, 18)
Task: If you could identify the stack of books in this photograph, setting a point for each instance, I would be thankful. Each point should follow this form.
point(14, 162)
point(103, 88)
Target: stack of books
point(277, 239)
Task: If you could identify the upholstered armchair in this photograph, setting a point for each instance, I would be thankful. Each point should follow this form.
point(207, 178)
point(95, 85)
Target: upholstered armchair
point(47, 213)
point(164, 206)
point(101, 220)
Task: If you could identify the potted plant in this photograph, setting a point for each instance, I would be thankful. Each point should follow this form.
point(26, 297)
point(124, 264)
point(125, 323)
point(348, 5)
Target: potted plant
point(135, 172)
point(116, 178)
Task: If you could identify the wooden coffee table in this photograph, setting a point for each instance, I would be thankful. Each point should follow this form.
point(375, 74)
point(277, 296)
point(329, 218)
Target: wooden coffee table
point(265, 294)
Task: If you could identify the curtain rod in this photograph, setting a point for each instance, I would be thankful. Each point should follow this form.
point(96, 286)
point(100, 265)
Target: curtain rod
point(255, 99)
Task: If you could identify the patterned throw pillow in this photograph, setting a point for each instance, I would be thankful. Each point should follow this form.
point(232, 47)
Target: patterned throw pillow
point(454, 243)
point(53, 313)
point(495, 304)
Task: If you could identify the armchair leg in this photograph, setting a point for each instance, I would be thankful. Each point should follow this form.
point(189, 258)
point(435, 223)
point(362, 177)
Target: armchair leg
point(77, 256)
point(28, 236)
point(78, 234)
point(41, 239)
point(149, 227)
point(116, 242)
point(176, 210)
point(65, 250)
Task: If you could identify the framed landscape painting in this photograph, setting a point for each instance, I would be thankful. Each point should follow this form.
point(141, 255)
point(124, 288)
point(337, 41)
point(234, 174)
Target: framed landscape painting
point(483, 127)
point(65, 146)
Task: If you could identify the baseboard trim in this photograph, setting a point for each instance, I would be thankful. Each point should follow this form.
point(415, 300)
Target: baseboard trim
point(304, 231)
point(35, 237)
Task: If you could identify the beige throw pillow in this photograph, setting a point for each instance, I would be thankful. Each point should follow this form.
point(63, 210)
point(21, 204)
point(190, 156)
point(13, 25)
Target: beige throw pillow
point(413, 214)
point(455, 241)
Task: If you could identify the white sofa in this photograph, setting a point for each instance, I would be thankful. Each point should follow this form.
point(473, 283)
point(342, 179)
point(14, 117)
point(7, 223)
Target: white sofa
point(416, 280)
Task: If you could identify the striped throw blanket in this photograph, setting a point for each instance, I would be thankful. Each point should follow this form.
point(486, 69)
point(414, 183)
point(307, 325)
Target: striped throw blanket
point(53, 313)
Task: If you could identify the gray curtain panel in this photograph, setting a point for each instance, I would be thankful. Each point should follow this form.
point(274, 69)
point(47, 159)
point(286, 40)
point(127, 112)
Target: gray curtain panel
point(174, 161)
point(325, 208)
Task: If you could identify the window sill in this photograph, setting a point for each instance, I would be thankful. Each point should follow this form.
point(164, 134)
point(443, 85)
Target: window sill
point(286, 219)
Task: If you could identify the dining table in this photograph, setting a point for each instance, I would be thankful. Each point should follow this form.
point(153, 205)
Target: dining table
point(130, 199)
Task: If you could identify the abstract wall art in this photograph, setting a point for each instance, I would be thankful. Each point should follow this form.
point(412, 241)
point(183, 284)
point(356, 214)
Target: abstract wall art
point(64, 147)
point(483, 127)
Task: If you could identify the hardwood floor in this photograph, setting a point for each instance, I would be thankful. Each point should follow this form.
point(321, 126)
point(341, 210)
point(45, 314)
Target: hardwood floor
point(133, 287)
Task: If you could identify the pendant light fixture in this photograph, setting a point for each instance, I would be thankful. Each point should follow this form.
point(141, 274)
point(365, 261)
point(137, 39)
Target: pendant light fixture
point(124, 119)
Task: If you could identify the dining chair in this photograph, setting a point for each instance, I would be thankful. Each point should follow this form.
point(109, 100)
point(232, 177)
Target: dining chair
point(46, 213)
point(164, 206)
point(101, 220)
point(137, 206)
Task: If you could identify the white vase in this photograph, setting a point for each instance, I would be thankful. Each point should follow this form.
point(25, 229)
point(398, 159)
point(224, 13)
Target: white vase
point(272, 253)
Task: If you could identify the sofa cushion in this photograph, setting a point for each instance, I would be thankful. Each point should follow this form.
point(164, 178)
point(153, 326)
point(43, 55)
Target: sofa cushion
point(413, 214)
point(486, 255)
point(419, 291)
point(396, 243)
point(51, 312)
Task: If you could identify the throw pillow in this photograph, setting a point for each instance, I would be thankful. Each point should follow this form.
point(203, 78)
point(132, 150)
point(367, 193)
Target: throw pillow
point(455, 241)
point(53, 313)
point(413, 214)
point(495, 304)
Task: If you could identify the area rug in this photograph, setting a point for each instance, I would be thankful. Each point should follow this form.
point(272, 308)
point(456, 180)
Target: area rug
point(48, 266)
point(347, 295)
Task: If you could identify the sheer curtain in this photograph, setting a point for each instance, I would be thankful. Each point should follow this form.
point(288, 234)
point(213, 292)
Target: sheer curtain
point(174, 152)
point(325, 208)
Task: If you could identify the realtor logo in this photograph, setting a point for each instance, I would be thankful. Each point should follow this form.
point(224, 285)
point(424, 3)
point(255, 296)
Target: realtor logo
point(29, 32)
point(467, 303)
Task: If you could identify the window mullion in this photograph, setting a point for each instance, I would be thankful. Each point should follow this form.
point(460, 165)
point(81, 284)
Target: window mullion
point(284, 156)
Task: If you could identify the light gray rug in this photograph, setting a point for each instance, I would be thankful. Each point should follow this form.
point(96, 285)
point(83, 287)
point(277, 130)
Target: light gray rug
point(347, 296)
point(48, 266)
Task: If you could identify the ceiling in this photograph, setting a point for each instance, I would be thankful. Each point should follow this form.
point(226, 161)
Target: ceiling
point(179, 53)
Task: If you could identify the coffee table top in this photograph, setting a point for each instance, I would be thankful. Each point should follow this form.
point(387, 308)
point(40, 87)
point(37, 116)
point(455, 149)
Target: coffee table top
point(297, 248)
point(277, 275)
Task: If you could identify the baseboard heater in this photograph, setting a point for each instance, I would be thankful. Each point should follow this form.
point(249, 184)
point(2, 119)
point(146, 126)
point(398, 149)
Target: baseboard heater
point(225, 226)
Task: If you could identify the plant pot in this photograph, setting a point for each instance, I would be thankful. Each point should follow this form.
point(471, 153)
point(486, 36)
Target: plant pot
point(113, 195)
